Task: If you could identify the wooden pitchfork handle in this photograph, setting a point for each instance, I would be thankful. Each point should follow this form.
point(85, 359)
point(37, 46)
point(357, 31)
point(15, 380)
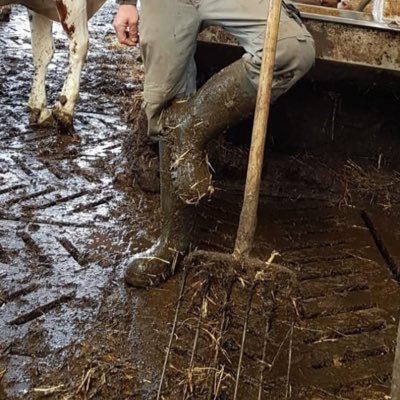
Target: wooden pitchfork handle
point(248, 216)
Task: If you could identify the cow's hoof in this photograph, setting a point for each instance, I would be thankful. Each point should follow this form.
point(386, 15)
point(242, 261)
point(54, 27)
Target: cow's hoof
point(64, 122)
point(40, 118)
point(5, 13)
point(4, 17)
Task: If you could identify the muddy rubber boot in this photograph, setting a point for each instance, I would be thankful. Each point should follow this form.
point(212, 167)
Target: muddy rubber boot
point(154, 266)
point(225, 100)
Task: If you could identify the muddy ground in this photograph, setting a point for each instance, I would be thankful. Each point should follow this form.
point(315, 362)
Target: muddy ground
point(70, 329)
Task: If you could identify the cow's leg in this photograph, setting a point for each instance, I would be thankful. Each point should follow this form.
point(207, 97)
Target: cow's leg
point(42, 53)
point(73, 16)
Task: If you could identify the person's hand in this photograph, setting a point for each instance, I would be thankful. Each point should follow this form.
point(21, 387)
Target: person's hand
point(126, 25)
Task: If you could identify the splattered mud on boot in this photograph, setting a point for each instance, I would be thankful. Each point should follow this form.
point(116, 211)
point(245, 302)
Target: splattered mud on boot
point(190, 167)
point(224, 101)
point(200, 178)
point(159, 262)
point(222, 158)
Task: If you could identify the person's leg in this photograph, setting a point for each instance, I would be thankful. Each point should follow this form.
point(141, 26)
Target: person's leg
point(245, 20)
point(168, 32)
point(157, 264)
point(227, 98)
point(223, 101)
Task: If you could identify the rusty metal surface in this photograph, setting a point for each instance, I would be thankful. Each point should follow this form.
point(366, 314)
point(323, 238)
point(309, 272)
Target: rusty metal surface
point(356, 45)
point(382, 14)
point(356, 38)
point(355, 42)
point(323, 12)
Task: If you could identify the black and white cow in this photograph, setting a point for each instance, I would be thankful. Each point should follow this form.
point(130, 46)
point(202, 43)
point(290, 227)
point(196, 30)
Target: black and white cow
point(73, 15)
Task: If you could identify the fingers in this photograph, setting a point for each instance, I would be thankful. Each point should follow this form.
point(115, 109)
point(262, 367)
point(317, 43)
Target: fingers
point(126, 25)
point(127, 34)
point(121, 33)
point(132, 34)
point(130, 38)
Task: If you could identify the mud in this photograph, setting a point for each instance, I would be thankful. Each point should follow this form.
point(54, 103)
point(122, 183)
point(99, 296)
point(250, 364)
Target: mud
point(66, 232)
point(71, 329)
point(340, 309)
point(140, 152)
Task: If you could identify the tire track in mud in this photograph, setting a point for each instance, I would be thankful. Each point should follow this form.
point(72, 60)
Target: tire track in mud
point(347, 352)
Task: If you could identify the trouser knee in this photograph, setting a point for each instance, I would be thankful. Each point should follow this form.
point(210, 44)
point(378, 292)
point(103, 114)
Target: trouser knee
point(295, 55)
point(294, 58)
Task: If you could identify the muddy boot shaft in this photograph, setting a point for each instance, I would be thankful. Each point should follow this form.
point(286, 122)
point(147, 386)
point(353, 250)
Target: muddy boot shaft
point(156, 265)
point(225, 100)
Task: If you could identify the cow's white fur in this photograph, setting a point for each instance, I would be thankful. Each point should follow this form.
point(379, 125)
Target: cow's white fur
point(73, 14)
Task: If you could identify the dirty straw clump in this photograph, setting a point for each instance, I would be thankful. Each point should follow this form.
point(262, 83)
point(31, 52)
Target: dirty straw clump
point(342, 183)
point(218, 344)
point(371, 184)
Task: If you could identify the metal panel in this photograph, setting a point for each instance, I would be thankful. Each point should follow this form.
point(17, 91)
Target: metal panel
point(356, 45)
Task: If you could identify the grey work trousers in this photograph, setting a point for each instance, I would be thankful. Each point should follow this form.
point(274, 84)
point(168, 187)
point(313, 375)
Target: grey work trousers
point(168, 37)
